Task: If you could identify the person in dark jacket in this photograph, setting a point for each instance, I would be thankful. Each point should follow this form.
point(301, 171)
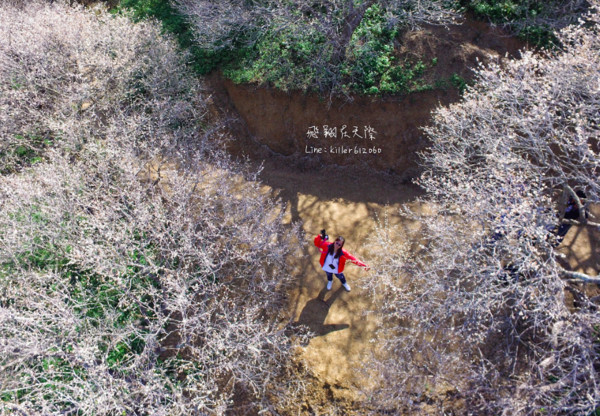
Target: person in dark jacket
point(571, 213)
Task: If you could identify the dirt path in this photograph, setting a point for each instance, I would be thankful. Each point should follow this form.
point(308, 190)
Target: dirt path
point(346, 203)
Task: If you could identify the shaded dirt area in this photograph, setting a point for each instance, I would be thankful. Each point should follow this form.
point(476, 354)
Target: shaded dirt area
point(346, 203)
point(581, 250)
point(581, 247)
point(349, 203)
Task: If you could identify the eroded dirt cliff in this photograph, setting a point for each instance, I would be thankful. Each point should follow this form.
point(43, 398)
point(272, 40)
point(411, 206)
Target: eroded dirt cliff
point(383, 133)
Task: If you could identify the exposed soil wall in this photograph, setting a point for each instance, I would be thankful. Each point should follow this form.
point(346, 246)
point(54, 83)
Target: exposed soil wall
point(379, 133)
point(282, 120)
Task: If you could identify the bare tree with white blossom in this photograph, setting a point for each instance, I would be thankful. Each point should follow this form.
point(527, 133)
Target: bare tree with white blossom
point(140, 269)
point(475, 303)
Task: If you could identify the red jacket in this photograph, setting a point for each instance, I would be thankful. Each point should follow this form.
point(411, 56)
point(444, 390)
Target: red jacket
point(323, 248)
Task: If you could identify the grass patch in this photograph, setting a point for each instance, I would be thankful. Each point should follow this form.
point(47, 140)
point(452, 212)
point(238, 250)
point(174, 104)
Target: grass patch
point(202, 61)
point(516, 11)
point(294, 59)
point(25, 150)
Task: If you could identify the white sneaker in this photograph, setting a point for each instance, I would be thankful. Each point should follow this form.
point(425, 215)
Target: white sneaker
point(347, 287)
point(329, 284)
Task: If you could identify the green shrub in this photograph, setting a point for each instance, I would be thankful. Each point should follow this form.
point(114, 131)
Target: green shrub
point(508, 10)
point(283, 59)
point(23, 150)
point(539, 35)
point(532, 20)
point(372, 68)
point(201, 60)
point(458, 82)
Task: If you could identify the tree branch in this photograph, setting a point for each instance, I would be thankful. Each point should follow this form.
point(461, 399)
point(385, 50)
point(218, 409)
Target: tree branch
point(570, 192)
point(586, 223)
point(579, 277)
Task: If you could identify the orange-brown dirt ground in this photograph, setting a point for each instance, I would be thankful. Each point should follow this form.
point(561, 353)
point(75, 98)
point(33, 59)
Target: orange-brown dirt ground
point(347, 204)
point(348, 196)
point(342, 332)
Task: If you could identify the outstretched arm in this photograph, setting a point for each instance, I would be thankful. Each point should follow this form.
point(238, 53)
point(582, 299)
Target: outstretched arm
point(355, 260)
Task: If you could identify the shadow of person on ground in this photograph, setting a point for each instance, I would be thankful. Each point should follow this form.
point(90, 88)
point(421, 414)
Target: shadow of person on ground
point(315, 312)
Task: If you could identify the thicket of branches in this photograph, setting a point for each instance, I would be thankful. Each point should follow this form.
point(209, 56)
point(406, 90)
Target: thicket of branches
point(328, 45)
point(477, 301)
point(534, 20)
point(140, 273)
point(346, 46)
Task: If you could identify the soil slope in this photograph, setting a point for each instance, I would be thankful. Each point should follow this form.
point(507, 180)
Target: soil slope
point(281, 120)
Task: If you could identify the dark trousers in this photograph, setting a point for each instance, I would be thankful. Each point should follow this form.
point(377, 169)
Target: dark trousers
point(338, 275)
point(563, 229)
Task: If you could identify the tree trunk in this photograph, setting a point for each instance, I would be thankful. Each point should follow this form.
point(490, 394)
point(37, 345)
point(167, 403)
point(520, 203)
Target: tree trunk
point(351, 22)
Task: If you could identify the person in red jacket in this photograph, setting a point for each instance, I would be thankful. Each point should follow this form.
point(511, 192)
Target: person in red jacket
point(333, 258)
